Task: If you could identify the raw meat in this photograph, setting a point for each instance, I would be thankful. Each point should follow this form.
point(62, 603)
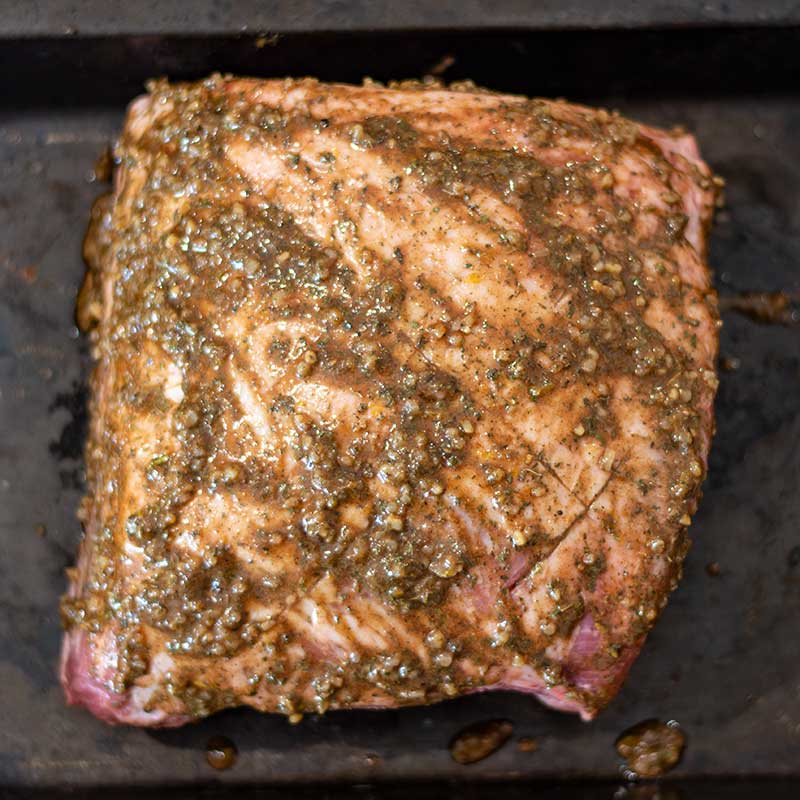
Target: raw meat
point(401, 393)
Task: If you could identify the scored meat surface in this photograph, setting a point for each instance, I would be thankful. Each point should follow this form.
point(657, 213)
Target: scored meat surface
point(401, 393)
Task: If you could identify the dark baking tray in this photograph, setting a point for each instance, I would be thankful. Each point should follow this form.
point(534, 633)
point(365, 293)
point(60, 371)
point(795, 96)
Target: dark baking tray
point(725, 658)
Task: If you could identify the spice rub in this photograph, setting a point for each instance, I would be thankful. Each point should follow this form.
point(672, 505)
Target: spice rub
point(401, 392)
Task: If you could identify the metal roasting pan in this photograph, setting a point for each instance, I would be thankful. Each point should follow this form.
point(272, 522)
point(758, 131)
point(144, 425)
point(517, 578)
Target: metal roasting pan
point(725, 658)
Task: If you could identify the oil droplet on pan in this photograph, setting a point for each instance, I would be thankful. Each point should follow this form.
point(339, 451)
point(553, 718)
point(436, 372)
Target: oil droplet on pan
point(480, 740)
point(651, 747)
point(221, 752)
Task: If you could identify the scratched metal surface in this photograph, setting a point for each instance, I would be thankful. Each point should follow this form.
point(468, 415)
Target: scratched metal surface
point(724, 659)
point(46, 17)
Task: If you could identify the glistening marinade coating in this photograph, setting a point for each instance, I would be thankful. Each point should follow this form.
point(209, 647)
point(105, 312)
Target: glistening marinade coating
point(401, 393)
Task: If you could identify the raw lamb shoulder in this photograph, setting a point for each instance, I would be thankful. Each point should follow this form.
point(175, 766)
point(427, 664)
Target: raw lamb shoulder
point(401, 393)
